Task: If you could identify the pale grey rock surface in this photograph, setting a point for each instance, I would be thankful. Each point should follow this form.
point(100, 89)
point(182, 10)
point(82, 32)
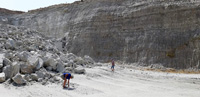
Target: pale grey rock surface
point(2, 77)
point(18, 79)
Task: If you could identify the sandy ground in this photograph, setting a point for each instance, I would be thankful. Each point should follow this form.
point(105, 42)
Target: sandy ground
point(102, 82)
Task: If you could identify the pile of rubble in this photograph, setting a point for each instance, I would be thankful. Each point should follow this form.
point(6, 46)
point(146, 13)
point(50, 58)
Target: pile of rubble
point(27, 55)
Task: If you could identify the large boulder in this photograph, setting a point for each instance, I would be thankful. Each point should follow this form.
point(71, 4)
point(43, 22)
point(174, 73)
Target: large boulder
point(79, 70)
point(80, 61)
point(64, 58)
point(42, 73)
point(69, 64)
point(9, 55)
point(35, 62)
point(50, 62)
point(60, 67)
point(2, 77)
point(26, 68)
point(11, 70)
point(18, 79)
point(88, 60)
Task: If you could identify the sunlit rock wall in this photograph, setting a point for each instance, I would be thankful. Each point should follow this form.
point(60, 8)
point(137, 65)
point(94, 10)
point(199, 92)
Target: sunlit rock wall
point(164, 32)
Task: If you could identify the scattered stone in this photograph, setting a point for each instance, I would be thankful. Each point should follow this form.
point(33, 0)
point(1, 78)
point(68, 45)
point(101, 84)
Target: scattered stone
point(98, 64)
point(18, 79)
point(56, 78)
point(49, 68)
point(10, 44)
point(157, 66)
point(40, 63)
point(34, 77)
point(27, 78)
point(40, 79)
point(40, 74)
point(2, 77)
point(1, 60)
point(11, 70)
point(9, 55)
point(23, 56)
point(68, 69)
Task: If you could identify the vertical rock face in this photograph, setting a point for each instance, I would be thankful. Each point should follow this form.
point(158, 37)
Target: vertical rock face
point(148, 32)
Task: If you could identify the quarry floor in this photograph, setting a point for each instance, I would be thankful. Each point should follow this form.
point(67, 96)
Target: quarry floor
point(100, 81)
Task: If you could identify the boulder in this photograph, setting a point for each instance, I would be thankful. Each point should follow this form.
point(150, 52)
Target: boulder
point(88, 60)
point(69, 64)
point(60, 67)
point(27, 77)
point(56, 78)
point(34, 77)
point(35, 62)
point(80, 61)
point(39, 64)
point(42, 73)
point(98, 64)
point(10, 44)
point(6, 62)
point(2, 77)
point(23, 56)
point(49, 68)
point(71, 56)
point(79, 70)
point(18, 79)
point(9, 55)
point(26, 68)
point(11, 70)
point(68, 69)
point(50, 62)
point(64, 58)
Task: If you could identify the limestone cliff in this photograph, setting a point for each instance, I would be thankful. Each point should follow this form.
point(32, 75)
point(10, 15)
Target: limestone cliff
point(147, 32)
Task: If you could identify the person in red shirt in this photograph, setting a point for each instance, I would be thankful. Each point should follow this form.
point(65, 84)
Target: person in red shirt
point(113, 65)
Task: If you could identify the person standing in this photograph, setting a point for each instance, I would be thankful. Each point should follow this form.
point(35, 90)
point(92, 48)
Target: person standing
point(113, 65)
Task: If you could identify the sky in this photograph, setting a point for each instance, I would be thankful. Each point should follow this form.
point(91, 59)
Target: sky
point(25, 5)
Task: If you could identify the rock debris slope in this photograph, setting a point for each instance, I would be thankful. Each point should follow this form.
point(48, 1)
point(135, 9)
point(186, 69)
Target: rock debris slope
point(27, 55)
